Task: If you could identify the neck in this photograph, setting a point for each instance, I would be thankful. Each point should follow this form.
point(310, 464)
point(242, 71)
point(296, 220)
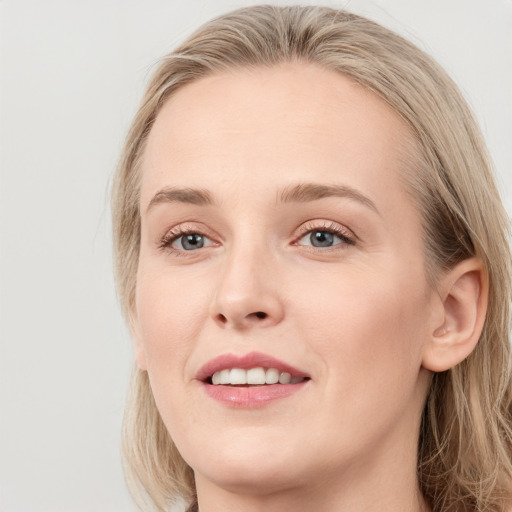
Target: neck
point(306, 501)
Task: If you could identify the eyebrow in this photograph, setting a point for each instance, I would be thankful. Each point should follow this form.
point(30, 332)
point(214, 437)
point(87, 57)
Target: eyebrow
point(305, 192)
point(300, 193)
point(194, 196)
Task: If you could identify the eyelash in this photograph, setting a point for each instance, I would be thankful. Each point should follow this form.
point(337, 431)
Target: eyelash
point(345, 235)
point(174, 234)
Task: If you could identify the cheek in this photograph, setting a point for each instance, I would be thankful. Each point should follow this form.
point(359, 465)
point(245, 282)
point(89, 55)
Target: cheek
point(171, 316)
point(171, 313)
point(369, 331)
point(368, 323)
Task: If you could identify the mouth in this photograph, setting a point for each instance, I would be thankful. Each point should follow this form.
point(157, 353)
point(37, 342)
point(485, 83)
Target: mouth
point(253, 369)
point(257, 376)
point(251, 380)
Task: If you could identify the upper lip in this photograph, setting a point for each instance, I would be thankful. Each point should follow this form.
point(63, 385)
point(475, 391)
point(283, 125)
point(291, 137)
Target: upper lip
point(244, 362)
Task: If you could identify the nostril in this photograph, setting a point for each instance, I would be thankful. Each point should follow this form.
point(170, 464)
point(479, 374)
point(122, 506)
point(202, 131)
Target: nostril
point(239, 321)
point(222, 319)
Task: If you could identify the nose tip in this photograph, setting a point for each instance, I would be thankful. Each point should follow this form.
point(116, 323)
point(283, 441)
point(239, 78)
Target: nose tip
point(239, 315)
point(240, 321)
point(246, 303)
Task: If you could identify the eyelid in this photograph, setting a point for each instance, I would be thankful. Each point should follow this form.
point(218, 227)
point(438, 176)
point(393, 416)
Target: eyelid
point(185, 228)
point(171, 235)
point(325, 225)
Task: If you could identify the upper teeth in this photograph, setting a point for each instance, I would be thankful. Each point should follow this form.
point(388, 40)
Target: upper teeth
point(253, 376)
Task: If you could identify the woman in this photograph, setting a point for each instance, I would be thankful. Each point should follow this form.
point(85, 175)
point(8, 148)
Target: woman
point(313, 260)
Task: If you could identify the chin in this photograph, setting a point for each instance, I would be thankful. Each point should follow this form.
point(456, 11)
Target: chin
point(250, 468)
point(255, 478)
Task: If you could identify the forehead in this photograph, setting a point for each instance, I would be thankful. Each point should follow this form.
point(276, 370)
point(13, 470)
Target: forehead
point(262, 127)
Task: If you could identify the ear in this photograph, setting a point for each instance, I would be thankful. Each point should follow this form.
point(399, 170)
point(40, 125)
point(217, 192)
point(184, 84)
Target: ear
point(463, 294)
point(138, 344)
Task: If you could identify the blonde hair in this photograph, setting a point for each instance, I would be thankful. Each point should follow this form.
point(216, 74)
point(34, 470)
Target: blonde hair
point(465, 445)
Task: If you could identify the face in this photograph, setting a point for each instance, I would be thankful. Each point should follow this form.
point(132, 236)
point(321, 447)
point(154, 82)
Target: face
point(278, 241)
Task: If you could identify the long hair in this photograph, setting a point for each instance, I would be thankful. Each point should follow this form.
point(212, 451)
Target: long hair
point(465, 444)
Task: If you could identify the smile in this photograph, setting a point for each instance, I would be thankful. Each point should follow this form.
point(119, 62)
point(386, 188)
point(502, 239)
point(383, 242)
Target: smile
point(253, 377)
point(251, 380)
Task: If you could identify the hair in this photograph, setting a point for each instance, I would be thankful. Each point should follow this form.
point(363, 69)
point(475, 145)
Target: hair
point(465, 443)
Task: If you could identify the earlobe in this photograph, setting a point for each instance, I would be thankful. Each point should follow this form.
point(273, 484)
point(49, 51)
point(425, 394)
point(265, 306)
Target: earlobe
point(464, 295)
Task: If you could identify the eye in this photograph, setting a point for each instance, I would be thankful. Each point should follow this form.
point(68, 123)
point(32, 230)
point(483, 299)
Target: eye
point(325, 237)
point(189, 242)
point(185, 239)
point(320, 238)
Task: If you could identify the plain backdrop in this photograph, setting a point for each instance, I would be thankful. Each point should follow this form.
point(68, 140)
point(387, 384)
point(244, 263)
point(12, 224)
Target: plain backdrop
point(72, 73)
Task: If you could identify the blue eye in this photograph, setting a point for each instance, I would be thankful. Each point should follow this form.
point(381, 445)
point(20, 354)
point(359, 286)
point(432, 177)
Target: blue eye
point(189, 242)
point(322, 238)
point(186, 238)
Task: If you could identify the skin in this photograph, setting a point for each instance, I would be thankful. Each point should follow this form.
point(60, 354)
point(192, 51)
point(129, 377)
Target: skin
point(358, 317)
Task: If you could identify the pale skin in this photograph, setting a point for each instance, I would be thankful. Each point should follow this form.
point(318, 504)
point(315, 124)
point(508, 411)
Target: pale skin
point(357, 313)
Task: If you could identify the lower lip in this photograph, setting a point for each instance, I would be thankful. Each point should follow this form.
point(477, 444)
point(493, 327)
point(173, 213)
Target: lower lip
point(251, 396)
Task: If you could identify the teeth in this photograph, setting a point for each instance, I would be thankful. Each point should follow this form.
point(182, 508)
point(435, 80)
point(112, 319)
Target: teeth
point(285, 378)
point(224, 377)
point(272, 376)
point(254, 377)
point(237, 376)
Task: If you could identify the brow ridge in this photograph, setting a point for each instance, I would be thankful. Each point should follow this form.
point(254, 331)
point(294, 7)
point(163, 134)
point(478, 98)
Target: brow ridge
point(299, 193)
point(199, 197)
point(305, 192)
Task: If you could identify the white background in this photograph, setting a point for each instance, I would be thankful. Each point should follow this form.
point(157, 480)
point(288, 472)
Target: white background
point(71, 76)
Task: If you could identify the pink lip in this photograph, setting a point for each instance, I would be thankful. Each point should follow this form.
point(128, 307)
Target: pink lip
point(251, 360)
point(250, 396)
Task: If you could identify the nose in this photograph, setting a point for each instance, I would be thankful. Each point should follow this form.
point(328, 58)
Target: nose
point(248, 294)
